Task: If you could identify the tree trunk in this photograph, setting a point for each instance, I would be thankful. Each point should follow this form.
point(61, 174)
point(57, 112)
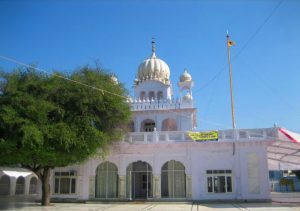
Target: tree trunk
point(45, 177)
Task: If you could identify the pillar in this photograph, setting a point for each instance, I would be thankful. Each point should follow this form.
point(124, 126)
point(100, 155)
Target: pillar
point(188, 187)
point(122, 187)
point(92, 187)
point(27, 185)
point(13, 185)
point(156, 187)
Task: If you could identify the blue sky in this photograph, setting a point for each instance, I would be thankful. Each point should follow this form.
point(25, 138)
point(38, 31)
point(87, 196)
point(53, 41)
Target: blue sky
point(64, 35)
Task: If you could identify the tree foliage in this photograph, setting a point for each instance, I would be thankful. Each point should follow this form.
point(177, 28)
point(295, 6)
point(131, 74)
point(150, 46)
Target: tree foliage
point(47, 121)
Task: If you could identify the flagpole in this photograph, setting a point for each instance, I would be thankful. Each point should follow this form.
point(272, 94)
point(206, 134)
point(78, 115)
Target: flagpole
point(230, 78)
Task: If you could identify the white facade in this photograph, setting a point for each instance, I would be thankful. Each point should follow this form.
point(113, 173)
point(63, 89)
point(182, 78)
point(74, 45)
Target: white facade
point(159, 161)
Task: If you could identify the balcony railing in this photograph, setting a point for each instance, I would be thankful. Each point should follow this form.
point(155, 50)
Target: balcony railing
point(182, 136)
point(159, 105)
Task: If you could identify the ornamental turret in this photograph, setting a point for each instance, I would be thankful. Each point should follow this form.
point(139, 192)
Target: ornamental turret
point(153, 79)
point(185, 85)
point(153, 68)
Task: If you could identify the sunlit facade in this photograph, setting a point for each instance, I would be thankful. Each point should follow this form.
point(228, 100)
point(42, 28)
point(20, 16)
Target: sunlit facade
point(158, 160)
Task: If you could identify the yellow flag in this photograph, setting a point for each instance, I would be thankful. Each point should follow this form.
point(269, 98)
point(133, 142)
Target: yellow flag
point(230, 43)
point(204, 136)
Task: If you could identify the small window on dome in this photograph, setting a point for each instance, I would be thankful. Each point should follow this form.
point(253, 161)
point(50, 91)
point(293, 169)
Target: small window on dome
point(142, 95)
point(160, 95)
point(151, 95)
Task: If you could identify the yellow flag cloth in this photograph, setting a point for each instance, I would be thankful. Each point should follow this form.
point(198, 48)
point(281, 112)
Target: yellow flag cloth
point(230, 43)
point(204, 136)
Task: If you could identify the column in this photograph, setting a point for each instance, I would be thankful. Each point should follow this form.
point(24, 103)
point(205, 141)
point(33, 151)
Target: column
point(158, 121)
point(92, 187)
point(156, 187)
point(27, 185)
point(137, 124)
point(79, 187)
point(122, 187)
point(188, 187)
point(13, 182)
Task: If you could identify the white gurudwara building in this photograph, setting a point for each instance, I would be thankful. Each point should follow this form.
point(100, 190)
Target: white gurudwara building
point(163, 158)
point(159, 160)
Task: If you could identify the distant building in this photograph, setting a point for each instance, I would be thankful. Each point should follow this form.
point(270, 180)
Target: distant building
point(17, 181)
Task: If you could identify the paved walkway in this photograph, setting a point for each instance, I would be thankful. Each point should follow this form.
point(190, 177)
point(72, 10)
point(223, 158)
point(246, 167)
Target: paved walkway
point(22, 204)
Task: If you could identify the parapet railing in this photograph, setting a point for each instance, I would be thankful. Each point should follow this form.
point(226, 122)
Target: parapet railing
point(183, 136)
point(159, 105)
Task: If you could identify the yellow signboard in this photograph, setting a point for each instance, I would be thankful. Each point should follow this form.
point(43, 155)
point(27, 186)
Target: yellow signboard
point(204, 136)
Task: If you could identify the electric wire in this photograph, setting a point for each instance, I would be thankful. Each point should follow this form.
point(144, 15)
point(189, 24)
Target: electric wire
point(60, 76)
point(102, 90)
point(95, 88)
point(195, 91)
point(235, 56)
point(259, 28)
point(105, 91)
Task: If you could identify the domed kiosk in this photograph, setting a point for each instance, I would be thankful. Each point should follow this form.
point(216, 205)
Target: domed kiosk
point(153, 79)
point(154, 69)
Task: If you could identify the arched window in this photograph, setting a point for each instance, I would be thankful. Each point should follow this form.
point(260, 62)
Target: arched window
point(139, 180)
point(173, 180)
point(20, 186)
point(107, 180)
point(147, 125)
point(151, 95)
point(4, 185)
point(169, 125)
point(33, 185)
point(142, 95)
point(160, 95)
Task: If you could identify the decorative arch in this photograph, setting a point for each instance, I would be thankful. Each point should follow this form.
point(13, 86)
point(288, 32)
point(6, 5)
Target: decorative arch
point(107, 179)
point(33, 185)
point(4, 185)
point(139, 180)
point(151, 95)
point(147, 125)
point(169, 125)
point(142, 95)
point(20, 186)
point(173, 180)
point(160, 95)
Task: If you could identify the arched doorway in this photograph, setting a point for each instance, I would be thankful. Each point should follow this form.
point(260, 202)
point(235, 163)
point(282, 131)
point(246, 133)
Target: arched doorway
point(20, 186)
point(33, 185)
point(139, 180)
point(4, 185)
point(147, 125)
point(106, 181)
point(173, 180)
point(169, 125)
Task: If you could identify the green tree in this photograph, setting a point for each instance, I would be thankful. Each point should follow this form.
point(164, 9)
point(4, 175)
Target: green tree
point(47, 121)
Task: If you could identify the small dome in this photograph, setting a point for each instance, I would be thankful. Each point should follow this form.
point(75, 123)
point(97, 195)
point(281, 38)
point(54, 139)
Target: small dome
point(187, 97)
point(185, 77)
point(114, 79)
point(154, 69)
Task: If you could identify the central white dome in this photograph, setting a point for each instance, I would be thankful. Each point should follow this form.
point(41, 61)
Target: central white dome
point(154, 69)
